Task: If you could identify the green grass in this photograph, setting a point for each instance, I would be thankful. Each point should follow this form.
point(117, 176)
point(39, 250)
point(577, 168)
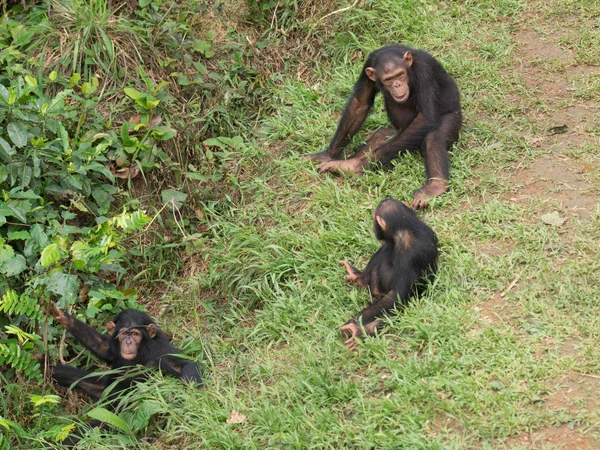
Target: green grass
point(263, 311)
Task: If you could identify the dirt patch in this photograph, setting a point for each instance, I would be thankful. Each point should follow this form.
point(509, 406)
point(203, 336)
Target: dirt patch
point(576, 393)
point(552, 437)
point(557, 180)
point(495, 249)
point(536, 46)
point(495, 310)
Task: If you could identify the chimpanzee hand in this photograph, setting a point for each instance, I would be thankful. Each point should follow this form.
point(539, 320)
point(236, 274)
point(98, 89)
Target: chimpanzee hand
point(60, 316)
point(320, 157)
point(352, 333)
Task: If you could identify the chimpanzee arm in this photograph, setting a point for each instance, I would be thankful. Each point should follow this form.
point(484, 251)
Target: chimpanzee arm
point(401, 290)
point(181, 368)
point(354, 114)
point(93, 386)
point(98, 344)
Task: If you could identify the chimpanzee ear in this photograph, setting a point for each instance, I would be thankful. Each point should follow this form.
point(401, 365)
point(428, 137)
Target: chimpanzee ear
point(152, 330)
point(371, 73)
point(408, 58)
point(381, 222)
point(110, 327)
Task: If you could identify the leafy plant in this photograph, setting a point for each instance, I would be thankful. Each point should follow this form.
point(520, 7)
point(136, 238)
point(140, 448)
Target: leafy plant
point(56, 192)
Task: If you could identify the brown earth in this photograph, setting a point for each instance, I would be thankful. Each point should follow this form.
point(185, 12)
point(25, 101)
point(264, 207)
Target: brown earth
point(561, 179)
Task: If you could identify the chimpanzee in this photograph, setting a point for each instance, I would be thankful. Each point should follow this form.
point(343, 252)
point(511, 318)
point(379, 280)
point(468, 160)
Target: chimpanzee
point(422, 103)
point(407, 257)
point(132, 339)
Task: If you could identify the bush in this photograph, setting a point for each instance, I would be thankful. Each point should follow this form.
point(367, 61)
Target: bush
point(57, 180)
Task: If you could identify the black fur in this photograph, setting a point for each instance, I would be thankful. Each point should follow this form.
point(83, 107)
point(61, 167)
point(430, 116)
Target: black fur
point(407, 257)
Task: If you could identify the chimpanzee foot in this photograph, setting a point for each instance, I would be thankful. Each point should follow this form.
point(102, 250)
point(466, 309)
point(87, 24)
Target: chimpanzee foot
point(431, 189)
point(319, 157)
point(352, 275)
point(339, 166)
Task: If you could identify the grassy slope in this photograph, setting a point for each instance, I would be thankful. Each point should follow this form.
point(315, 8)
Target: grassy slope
point(463, 367)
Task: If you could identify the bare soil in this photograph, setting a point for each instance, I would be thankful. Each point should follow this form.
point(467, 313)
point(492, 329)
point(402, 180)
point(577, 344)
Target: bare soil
point(562, 179)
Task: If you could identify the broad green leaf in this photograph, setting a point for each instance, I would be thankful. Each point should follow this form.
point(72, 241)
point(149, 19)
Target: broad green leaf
point(4, 94)
point(30, 80)
point(19, 235)
point(65, 285)
point(104, 415)
point(19, 209)
point(163, 133)
point(214, 142)
point(13, 266)
point(172, 194)
point(39, 400)
point(63, 432)
point(50, 255)
point(196, 176)
point(3, 173)
point(134, 94)
point(6, 148)
point(17, 134)
point(74, 80)
point(38, 235)
point(6, 253)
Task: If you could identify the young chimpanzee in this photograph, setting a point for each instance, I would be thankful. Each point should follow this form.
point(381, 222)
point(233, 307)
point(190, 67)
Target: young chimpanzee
point(407, 257)
point(422, 103)
point(132, 339)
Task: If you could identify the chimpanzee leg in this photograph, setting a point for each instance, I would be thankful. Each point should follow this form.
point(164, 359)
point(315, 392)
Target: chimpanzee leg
point(437, 165)
point(92, 385)
point(377, 139)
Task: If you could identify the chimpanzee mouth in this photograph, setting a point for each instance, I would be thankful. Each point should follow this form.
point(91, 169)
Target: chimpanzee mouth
point(128, 355)
point(402, 98)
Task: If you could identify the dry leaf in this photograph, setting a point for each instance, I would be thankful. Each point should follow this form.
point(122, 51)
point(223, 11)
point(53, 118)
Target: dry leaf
point(155, 121)
point(235, 417)
point(124, 172)
point(553, 218)
point(134, 119)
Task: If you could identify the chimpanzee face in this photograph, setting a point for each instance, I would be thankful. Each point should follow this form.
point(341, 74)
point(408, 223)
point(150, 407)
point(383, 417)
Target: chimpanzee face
point(130, 340)
point(392, 75)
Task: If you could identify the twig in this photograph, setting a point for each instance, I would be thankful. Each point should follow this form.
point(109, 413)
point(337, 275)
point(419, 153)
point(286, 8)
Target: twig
point(511, 285)
point(589, 375)
point(175, 208)
point(339, 11)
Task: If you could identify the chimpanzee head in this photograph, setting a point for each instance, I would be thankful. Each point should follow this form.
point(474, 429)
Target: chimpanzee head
point(392, 73)
point(130, 331)
point(391, 217)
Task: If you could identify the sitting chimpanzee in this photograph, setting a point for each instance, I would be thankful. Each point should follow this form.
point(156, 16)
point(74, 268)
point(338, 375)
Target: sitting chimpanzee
point(132, 339)
point(422, 103)
point(407, 257)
